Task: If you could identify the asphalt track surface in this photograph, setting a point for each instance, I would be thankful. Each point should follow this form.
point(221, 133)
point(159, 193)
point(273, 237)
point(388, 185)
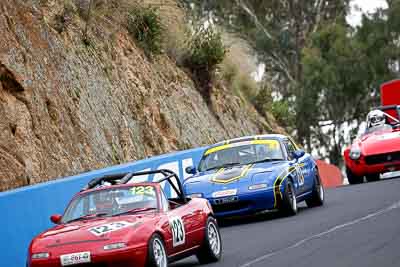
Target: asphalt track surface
point(359, 225)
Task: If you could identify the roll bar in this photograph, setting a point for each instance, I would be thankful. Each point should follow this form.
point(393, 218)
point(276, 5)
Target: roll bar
point(124, 178)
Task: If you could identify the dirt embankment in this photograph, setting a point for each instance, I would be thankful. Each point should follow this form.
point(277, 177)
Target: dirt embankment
point(67, 107)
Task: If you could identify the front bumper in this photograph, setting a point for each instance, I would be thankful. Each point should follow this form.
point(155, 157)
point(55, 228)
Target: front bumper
point(244, 204)
point(367, 166)
point(127, 257)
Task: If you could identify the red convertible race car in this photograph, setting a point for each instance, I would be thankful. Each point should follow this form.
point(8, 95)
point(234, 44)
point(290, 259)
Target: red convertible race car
point(377, 151)
point(116, 223)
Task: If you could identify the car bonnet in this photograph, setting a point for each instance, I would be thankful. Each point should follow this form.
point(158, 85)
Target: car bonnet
point(380, 143)
point(90, 231)
point(232, 177)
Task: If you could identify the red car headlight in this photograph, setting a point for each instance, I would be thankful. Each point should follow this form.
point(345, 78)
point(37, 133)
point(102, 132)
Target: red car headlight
point(355, 153)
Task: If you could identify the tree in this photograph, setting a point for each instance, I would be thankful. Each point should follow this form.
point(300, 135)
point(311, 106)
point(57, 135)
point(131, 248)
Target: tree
point(334, 82)
point(276, 29)
point(342, 71)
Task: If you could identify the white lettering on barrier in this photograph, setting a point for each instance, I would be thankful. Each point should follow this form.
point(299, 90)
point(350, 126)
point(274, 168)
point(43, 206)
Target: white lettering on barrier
point(186, 163)
point(173, 166)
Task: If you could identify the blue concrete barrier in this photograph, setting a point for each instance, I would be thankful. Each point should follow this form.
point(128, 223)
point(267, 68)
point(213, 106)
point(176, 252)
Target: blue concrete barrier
point(25, 212)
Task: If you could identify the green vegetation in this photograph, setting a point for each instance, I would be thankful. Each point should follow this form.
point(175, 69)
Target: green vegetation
point(238, 80)
point(145, 26)
point(263, 101)
point(205, 50)
point(283, 113)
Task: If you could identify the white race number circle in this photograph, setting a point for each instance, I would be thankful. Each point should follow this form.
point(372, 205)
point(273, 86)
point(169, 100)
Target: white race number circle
point(109, 227)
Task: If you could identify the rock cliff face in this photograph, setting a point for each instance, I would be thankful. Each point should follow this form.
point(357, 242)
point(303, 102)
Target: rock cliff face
point(67, 107)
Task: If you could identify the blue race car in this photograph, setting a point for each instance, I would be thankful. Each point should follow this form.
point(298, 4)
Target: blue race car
point(252, 174)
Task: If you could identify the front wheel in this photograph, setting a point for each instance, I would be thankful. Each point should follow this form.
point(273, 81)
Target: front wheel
point(289, 201)
point(317, 195)
point(352, 178)
point(211, 249)
point(157, 256)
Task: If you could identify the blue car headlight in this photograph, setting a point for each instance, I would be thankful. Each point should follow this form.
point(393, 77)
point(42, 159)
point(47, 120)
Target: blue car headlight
point(258, 186)
point(261, 181)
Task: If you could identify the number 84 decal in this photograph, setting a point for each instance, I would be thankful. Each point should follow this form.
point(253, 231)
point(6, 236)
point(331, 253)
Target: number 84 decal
point(300, 175)
point(178, 231)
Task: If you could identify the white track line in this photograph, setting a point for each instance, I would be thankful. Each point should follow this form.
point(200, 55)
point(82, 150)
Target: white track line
point(335, 228)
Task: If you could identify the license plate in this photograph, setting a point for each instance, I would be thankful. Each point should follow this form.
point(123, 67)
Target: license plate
point(75, 258)
point(226, 200)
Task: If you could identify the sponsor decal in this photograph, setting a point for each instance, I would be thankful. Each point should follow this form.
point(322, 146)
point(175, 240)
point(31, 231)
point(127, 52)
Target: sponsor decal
point(273, 144)
point(225, 193)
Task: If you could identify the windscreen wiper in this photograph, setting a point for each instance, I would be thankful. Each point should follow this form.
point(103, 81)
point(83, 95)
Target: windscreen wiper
point(88, 216)
point(133, 211)
point(266, 160)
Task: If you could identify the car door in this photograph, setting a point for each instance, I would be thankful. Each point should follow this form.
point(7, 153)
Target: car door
point(308, 170)
point(183, 222)
point(193, 215)
point(299, 166)
point(306, 165)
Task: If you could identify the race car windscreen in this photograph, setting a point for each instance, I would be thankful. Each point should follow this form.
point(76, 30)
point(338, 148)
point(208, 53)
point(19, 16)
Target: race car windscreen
point(377, 129)
point(241, 154)
point(111, 202)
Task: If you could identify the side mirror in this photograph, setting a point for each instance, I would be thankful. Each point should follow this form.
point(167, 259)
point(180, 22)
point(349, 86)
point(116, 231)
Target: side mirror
point(56, 218)
point(190, 170)
point(298, 154)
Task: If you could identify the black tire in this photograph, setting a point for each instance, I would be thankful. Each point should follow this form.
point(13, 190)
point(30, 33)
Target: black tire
point(372, 177)
point(211, 249)
point(318, 194)
point(352, 178)
point(153, 254)
point(289, 201)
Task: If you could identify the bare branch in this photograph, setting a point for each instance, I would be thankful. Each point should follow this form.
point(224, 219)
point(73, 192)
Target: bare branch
point(245, 8)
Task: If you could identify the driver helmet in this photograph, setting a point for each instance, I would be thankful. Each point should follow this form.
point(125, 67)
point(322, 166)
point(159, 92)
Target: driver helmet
point(376, 118)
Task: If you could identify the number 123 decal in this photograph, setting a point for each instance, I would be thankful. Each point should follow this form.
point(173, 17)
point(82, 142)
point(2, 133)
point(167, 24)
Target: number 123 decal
point(178, 231)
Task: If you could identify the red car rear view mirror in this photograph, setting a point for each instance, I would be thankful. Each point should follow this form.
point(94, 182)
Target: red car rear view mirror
point(56, 218)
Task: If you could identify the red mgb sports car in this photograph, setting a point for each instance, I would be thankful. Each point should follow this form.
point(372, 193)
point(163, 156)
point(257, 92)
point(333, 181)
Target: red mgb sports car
point(116, 223)
point(378, 149)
